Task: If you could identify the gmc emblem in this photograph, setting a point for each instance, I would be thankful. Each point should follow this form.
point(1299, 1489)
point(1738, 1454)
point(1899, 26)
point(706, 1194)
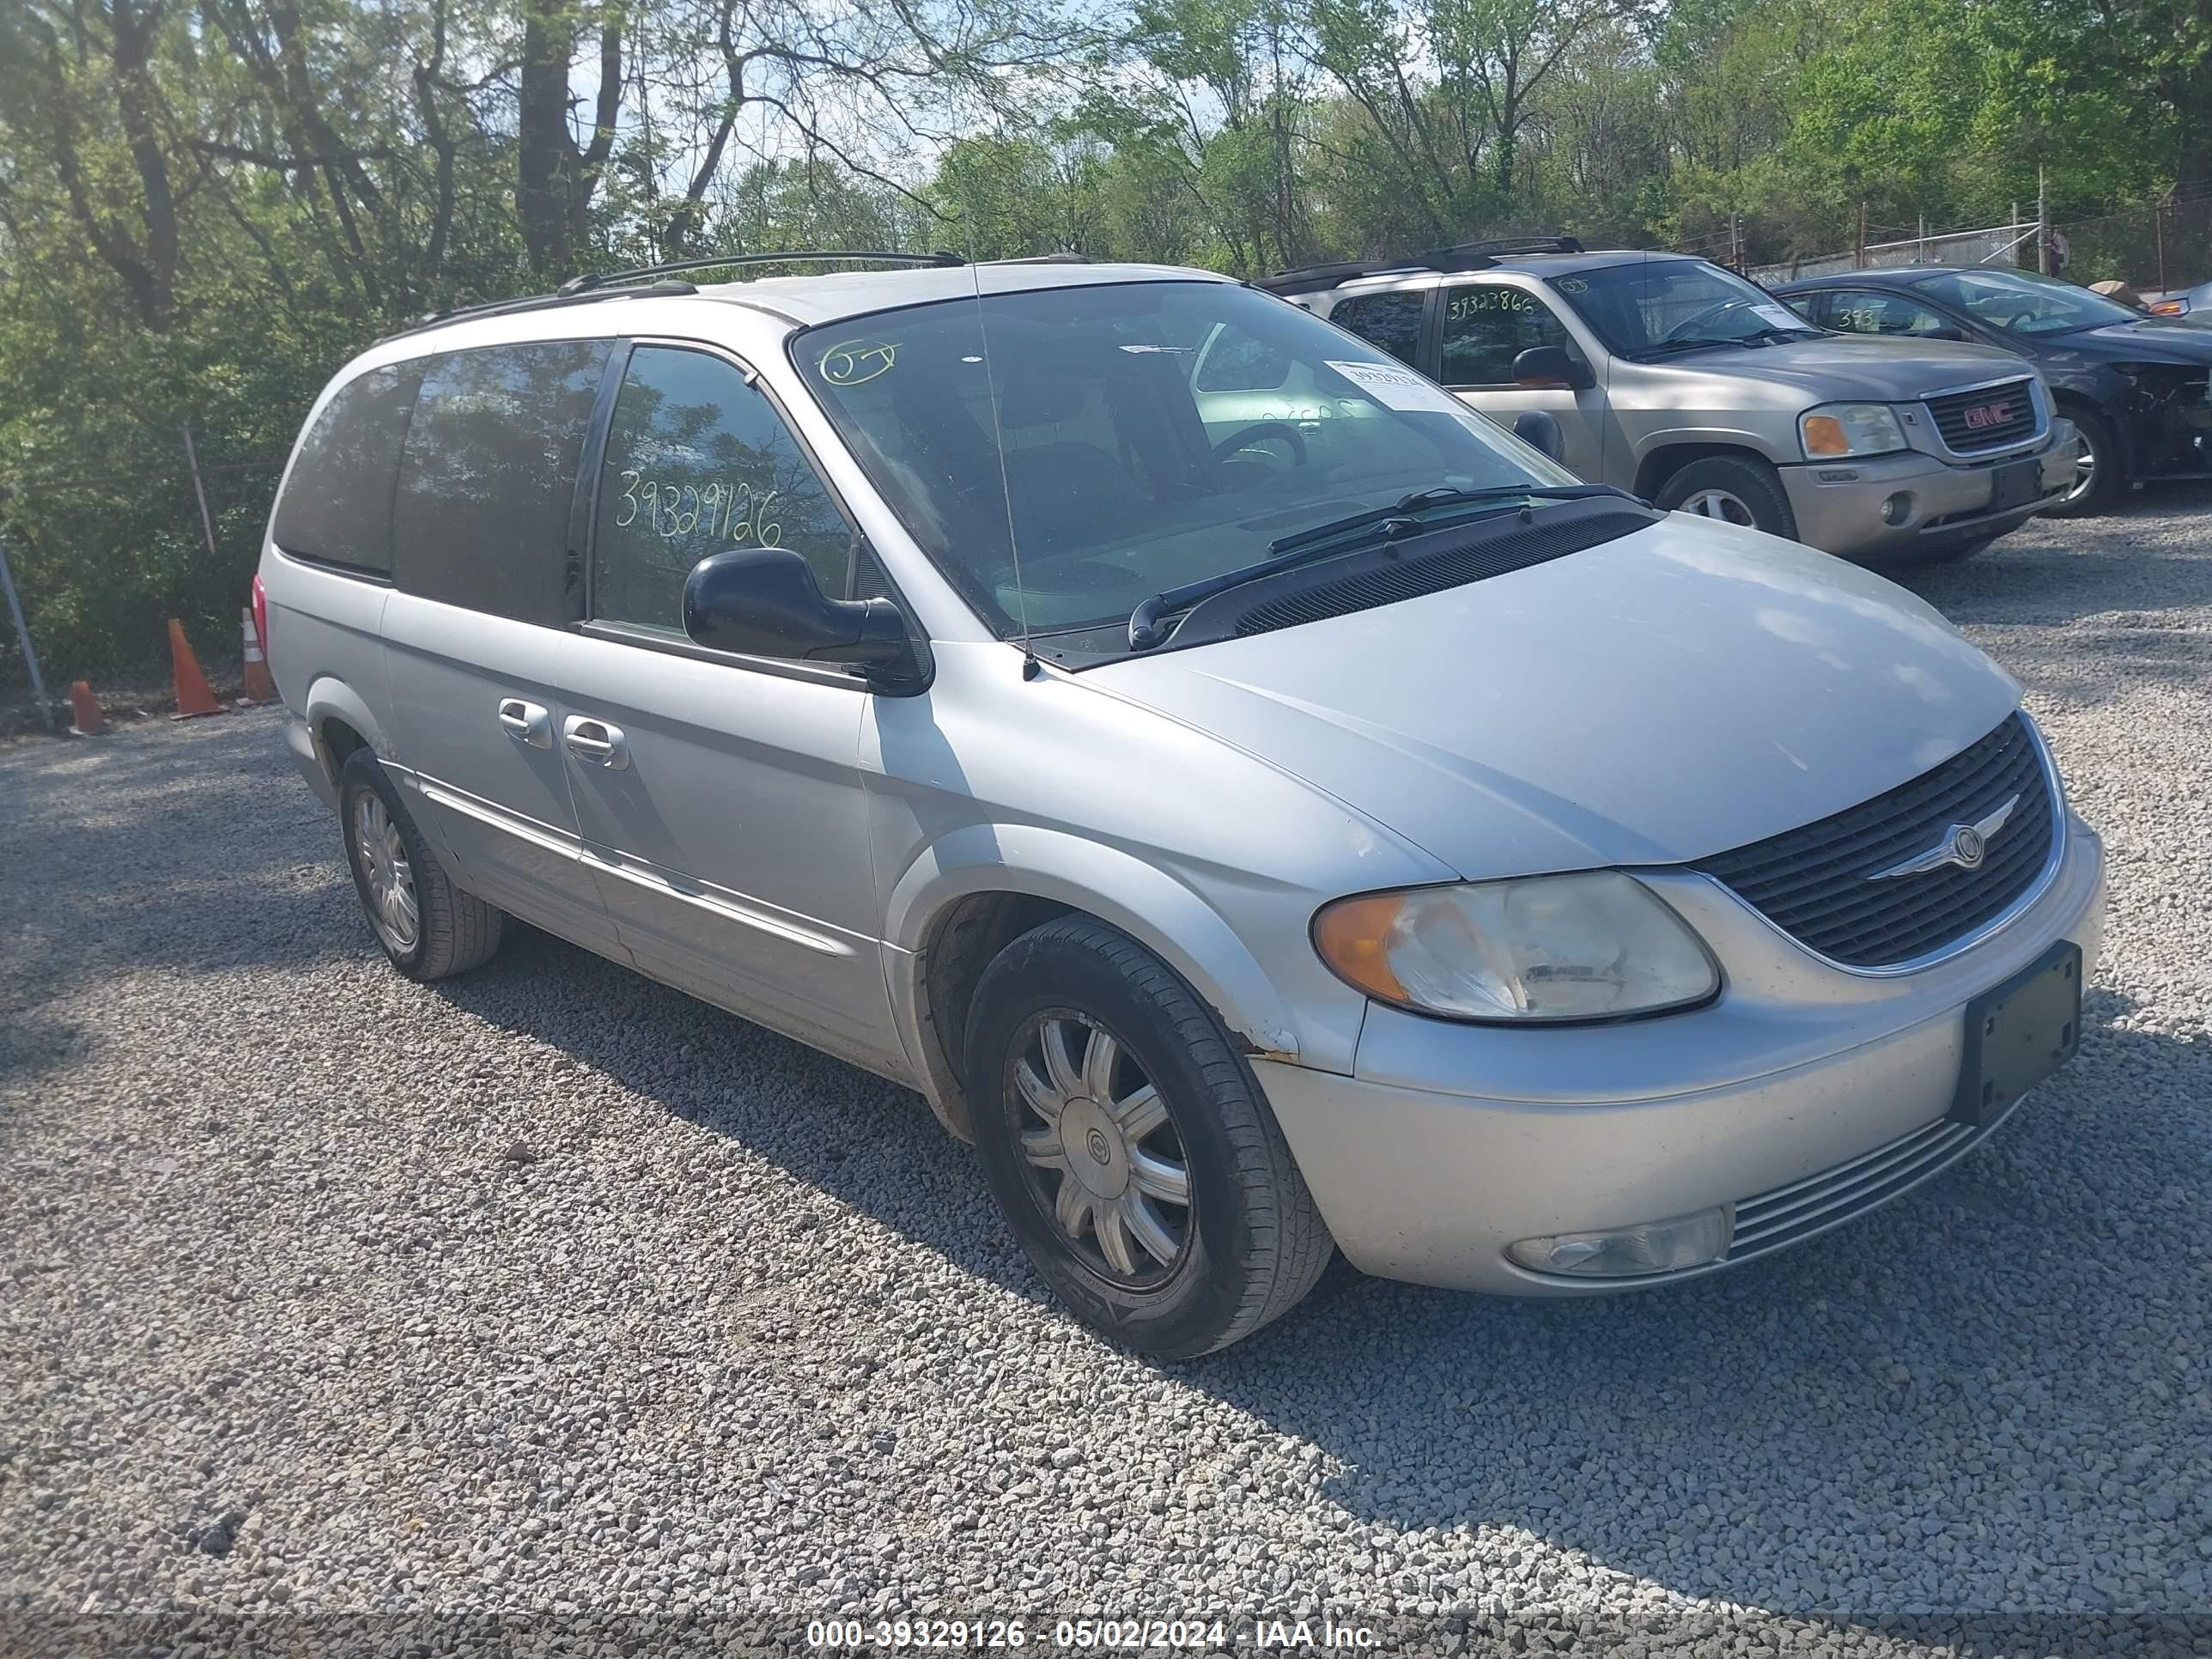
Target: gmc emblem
point(1988, 415)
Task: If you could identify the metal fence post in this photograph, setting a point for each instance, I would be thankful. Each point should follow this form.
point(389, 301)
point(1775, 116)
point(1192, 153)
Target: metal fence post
point(23, 633)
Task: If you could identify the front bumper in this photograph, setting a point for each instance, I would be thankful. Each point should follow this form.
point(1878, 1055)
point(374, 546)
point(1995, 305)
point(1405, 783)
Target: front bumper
point(1451, 1141)
point(1837, 504)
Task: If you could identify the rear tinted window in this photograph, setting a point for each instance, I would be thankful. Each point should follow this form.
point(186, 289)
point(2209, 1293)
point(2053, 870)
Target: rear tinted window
point(1392, 321)
point(481, 515)
point(336, 505)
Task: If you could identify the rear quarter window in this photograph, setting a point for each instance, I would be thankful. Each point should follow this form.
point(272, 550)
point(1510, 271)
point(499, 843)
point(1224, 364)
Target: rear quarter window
point(337, 504)
point(480, 518)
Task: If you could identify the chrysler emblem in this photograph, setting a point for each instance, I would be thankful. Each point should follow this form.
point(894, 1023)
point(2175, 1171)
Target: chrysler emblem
point(1965, 845)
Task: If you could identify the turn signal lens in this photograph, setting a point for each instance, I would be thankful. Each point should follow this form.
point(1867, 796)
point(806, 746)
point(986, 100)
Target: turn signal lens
point(1594, 945)
point(1824, 435)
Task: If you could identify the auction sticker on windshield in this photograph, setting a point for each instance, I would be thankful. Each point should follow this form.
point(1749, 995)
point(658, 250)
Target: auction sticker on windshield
point(1776, 316)
point(1398, 388)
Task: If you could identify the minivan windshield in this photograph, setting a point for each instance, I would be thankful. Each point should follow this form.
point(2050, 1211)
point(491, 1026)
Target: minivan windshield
point(1150, 434)
point(1650, 308)
point(2020, 302)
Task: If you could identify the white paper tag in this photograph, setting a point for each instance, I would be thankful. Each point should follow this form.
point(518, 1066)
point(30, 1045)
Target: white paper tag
point(1778, 317)
point(1399, 388)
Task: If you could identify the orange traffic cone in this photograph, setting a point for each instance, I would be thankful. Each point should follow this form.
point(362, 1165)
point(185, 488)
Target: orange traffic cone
point(259, 687)
point(194, 695)
point(87, 718)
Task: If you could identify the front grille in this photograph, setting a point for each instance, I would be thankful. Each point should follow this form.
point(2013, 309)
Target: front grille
point(1987, 419)
point(1814, 882)
point(1769, 1220)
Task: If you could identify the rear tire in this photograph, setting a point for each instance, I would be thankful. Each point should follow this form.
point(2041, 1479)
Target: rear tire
point(427, 927)
point(2099, 468)
point(1734, 489)
point(1140, 1168)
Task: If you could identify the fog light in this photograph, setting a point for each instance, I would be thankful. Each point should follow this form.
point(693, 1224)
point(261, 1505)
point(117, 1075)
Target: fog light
point(1898, 508)
point(1647, 1247)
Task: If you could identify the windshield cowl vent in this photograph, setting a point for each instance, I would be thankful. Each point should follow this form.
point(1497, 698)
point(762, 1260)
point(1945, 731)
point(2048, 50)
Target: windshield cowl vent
point(1481, 553)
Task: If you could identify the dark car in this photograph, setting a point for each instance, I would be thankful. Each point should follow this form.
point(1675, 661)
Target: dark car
point(2133, 385)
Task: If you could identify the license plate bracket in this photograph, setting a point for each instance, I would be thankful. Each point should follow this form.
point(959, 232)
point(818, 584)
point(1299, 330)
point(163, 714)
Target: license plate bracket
point(2015, 483)
point(2019, 1034)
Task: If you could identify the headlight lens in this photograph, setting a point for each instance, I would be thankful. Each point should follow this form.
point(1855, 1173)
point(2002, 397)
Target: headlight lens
point(1835, 430)
point(1588, 946)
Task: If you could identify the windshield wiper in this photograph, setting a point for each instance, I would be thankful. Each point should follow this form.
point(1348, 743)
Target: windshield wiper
point(1146, 628)
point(1643, 354)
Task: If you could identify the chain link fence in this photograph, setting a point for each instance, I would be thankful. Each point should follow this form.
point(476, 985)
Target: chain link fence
point(2010, 244)
point(2155, 249)
point(102, 562)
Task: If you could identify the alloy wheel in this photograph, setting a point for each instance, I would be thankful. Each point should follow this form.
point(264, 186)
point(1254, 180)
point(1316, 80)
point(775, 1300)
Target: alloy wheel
point(2085, 469)
point(392, 907)
point(1104, 1159)
point(1719, 504)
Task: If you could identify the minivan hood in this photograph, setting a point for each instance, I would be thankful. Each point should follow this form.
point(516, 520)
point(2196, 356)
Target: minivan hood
point(1844, 367)
point(1673, 694)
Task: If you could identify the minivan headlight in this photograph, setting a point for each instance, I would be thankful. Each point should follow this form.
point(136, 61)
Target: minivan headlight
point(1594, 945)
point(1835, 430)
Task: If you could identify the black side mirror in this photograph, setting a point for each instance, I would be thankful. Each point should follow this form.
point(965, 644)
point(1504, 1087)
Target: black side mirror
point(1945, 332)
point(764, 602)
point(1551, 366)
point(1538, 430)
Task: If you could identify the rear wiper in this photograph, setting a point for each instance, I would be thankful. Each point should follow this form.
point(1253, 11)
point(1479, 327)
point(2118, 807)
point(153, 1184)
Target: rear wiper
point(1145, 622)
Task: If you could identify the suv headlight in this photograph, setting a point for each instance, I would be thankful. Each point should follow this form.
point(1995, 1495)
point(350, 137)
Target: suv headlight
point(1835, 430)
point(1595, 946)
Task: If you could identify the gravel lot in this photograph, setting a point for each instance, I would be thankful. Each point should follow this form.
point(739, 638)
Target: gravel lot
point(550, 1292)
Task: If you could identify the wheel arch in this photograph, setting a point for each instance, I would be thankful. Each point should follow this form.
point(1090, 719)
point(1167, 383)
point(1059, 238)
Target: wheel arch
point(339, 720)
point(972, 892)
point(1663, 462)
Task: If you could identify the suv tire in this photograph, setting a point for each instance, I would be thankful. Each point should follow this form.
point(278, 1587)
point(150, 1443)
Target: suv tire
point(1129, 1146)
point(427, 927)
point(1734, 489)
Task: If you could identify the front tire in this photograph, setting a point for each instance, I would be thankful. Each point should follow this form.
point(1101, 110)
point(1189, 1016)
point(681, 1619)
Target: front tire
point(427, 927)
point(1740, 489)
point(1129, 1147)
point(2098, 474)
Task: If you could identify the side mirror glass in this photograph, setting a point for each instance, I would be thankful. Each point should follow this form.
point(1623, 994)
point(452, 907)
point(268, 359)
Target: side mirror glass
point(1551, 366)
point(1538, 430)
point(764, 602)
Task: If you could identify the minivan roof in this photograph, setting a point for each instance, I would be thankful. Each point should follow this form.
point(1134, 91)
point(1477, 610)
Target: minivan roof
point(808, 301)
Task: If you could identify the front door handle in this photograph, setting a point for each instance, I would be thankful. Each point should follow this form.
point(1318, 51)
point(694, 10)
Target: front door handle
point(596, 741)
point(528, 723)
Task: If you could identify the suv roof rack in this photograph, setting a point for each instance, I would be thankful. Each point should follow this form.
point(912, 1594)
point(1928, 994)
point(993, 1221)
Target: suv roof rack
point(1460, 255)
point(658, 279)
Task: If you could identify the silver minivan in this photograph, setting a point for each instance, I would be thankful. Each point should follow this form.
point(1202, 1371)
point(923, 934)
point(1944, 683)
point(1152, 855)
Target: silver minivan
point(1261, 838)
point(1682, 382)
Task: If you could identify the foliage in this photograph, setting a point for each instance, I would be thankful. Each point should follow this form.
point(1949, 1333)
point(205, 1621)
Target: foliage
point(204, 209)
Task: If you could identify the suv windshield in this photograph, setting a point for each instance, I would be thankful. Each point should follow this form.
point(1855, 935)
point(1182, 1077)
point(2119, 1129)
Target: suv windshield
point(1152, 434)
point(1648, 307)
point(2019, 303)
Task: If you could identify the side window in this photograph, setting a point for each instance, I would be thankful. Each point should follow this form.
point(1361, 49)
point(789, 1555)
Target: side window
point(698, 461)
point(1487, 326)
point(482, 515)
point(338, 503)
point(1392, 321)
point(1857, 311)
point(1235, 361)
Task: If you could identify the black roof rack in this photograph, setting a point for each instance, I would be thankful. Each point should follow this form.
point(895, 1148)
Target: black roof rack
point(657, 280)
point(1460, 255)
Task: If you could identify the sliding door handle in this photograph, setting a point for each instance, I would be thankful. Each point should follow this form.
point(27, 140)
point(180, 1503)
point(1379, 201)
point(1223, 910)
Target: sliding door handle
point(596, 741)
